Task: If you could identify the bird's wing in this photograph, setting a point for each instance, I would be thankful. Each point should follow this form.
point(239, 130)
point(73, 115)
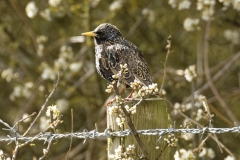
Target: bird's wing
point(140, 69)
point(115, 58)
point(118, 54)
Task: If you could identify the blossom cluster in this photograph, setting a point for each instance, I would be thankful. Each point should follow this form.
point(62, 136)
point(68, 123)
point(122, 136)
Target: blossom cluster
point(116, 109)
point(24, 90)
point(232, 35)
point(123, 155)
point(53, 111)
point(197, 108)
point(191, 24)
point(116, 5)
point(148, 90)
point(110, 87)
point(8, 74)
point(184, 154)
point(207, 8)
point(190, 73)
point(182, 4)
point(40, 47)
point(64, 62)
point(171, 140)
point(3, 156)
point(136, 84)
point(54, 9)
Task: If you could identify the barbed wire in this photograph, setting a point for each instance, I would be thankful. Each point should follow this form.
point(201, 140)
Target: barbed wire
point(107, 133)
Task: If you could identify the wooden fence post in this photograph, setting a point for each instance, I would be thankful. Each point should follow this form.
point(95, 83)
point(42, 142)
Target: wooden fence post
point(150, 114)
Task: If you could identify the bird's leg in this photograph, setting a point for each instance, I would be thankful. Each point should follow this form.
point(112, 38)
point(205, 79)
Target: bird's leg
point(129, 97)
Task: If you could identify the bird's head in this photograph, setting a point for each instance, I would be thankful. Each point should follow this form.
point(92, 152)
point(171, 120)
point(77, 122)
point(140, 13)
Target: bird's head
point(104, 33)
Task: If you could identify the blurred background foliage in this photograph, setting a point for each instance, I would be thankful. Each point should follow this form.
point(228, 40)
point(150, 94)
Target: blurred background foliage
point(41, 38)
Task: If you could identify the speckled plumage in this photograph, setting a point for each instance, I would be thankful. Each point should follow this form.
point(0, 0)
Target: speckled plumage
point(112, 49)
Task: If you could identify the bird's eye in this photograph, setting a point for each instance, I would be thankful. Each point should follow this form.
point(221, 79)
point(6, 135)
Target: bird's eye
point(101, 34)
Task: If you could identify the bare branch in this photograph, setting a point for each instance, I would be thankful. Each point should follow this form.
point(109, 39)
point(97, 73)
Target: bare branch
point(43, 106)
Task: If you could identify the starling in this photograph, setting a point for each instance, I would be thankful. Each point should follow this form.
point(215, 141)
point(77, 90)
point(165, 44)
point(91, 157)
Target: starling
point(114, 53)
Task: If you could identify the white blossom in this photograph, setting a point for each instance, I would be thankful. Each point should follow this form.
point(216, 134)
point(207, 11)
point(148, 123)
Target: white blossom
point(207, 152)
point(236, 4)
point(232, 35)
point(25, 115)
point(75, 67)
point(183, 154)
point(61, 63)
point(226, 3)
point(207, 8)
point(203, 153)
point(46, 14)
point(116, 4)
point(211, 153)
point(62, 104)
point(40, 49)
point(8, 74)
point(187, 136)
point(229, 158)
point(31, 9)
point(54, 109)
point(172, 3)
point(41, 39)
point(54, 3)
point(120, 154)
point(190, 73)
point(185, 4)
point(191, 24)
point(48, 73)
point(21, 91)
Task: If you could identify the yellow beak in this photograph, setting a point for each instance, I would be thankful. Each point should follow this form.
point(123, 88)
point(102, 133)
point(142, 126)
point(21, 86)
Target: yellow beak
point(89, 34)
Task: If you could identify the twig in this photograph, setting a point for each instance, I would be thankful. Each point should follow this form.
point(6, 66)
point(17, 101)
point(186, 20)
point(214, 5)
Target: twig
point(15, 152)
point(209, 78)
point(70, 90)
point(139, 21)
point(161, 151)
point(219, 115)
point(168, 47)
point(215, 139)
point(227, 66)
point(46, 152)
point(70, 145)
point(43, 106)
point(24, 118)
point(199, 125)
point(134, 132)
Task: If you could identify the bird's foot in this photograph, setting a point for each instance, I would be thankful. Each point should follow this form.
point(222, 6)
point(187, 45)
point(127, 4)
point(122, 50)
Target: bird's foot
point(110, 101)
